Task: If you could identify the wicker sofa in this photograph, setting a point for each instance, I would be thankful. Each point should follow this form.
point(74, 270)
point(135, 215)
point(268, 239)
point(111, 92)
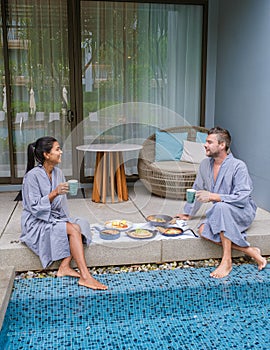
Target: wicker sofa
point(171, 178)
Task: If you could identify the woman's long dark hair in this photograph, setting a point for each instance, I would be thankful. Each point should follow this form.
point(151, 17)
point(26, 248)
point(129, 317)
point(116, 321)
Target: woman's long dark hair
point(35, 151)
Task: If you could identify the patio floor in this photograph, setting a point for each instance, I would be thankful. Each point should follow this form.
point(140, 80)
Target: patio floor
point(15, 256)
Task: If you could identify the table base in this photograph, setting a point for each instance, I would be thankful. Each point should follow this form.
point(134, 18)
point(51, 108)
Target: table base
point(117, 177)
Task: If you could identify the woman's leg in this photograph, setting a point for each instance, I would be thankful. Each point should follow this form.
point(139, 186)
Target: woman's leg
point(77, 252)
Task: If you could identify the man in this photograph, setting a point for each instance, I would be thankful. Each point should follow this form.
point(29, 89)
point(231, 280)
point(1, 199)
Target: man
point(224, 181)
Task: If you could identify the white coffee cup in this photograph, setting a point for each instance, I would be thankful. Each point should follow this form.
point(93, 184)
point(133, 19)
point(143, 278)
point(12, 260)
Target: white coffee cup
point(73, 187)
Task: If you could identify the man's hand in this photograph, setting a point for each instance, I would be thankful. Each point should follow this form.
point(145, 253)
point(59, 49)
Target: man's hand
point(183, 216)
point(203, 196)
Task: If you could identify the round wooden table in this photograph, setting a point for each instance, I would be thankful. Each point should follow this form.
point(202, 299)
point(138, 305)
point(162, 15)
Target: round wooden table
point(111, 155)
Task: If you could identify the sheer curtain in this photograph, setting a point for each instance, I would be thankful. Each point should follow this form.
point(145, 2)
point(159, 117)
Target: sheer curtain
point(141, 70)
point(4, 141)
point(39, 73)
point(184, 62)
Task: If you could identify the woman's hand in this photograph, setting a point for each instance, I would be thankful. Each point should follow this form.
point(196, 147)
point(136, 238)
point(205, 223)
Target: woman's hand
point(62, 188)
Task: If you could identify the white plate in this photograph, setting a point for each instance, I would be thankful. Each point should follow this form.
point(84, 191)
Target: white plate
point(114, 224)
point(141, 233)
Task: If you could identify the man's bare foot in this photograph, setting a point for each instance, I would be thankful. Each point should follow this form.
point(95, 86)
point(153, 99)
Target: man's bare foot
point(90, 282)
point(222, 270)
point(261, 261)
point(67, 271)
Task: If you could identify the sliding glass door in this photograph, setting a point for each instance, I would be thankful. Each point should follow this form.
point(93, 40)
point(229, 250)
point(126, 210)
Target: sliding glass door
point(96, 71)
point(141, 70)
point(36, 79)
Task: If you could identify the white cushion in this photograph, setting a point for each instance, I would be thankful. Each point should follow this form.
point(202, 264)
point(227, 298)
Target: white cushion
point(193, 152)
point(176, 166)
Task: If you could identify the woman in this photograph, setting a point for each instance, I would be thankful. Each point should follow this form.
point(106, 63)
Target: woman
point(47, 228)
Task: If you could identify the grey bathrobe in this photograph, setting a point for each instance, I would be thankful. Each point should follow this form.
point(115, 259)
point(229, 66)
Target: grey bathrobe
point(43, 223)
point(236, 211)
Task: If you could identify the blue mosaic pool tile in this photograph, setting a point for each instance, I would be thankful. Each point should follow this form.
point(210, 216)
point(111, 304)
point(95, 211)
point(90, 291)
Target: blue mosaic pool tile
point(180, 309)
point(209, 331)
point(117, 303)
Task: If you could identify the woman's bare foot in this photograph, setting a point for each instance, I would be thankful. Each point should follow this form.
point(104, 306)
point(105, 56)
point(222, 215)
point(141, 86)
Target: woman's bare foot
point(90, 282)
point(222, 270)
point(260, 260)
point(67, 271)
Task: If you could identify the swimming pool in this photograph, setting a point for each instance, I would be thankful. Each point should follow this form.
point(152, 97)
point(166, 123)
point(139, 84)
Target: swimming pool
point(174, 309)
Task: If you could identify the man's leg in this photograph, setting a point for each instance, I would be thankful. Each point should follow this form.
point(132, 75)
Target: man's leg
point(253, 252)
point(66, 270)
point(225, 266)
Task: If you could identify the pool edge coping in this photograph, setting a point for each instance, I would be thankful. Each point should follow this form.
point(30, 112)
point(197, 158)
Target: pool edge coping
point(7, 276)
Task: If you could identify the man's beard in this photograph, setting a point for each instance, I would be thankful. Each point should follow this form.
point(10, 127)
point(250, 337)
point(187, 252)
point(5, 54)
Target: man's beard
point(212, 154)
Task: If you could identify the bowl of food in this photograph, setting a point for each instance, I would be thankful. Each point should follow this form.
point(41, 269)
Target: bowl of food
point(109, 234)
point(159, 220)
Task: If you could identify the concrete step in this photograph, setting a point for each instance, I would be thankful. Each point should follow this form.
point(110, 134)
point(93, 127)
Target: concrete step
point(122, 252)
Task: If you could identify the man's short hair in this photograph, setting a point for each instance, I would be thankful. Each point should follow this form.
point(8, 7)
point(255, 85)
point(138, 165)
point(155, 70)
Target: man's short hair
point(223, 135)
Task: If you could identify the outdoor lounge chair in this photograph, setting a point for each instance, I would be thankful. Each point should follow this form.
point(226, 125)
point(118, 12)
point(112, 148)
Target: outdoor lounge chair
point(171, 178)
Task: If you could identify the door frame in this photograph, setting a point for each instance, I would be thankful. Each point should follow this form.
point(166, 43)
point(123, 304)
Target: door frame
point(76, 103)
